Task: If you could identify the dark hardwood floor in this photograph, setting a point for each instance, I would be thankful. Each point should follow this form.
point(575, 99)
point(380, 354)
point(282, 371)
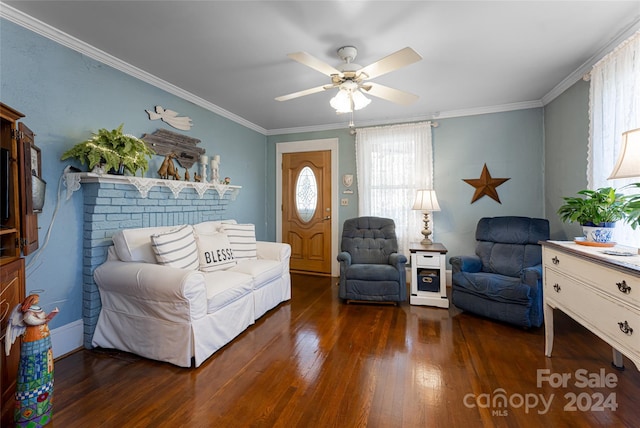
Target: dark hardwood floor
point(316, 362)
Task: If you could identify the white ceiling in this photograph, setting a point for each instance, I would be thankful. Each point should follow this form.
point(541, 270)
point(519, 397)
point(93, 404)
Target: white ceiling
point(231, 55)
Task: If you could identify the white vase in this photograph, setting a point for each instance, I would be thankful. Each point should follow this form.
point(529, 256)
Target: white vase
point(601, 234)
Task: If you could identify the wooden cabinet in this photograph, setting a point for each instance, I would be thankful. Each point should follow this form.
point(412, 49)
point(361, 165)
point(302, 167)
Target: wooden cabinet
point(12, 285)
point(18, 234)
point(10, 231)
point(19, 222)
point(598, 290)
point(30, 166)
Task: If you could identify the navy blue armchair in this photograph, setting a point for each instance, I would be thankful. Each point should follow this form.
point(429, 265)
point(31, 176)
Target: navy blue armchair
point(371, 269)
point(503, 281)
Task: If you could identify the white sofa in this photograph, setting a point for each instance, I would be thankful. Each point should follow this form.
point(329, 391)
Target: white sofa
point(174, 314)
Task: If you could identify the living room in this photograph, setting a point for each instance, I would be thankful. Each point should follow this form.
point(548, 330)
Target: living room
point(65, 94)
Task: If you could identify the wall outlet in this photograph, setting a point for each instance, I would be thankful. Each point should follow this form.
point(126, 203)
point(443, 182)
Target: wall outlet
point(344, 202)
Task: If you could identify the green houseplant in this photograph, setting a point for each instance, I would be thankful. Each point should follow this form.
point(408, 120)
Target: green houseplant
point(598, 210)
point(112, 150)
point(603, 205)
point(633, 205)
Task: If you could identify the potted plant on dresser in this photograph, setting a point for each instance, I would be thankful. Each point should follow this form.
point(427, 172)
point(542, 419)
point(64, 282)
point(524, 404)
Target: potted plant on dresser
point(598, 211)
point(112, 151)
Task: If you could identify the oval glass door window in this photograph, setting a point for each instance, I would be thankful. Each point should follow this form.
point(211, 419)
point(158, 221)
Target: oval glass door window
point(306, 194)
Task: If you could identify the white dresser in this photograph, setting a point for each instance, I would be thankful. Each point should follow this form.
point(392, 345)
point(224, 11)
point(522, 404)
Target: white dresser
point(600, 291)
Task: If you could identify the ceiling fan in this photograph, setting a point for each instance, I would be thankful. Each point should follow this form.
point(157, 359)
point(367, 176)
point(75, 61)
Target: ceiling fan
point(351, 78)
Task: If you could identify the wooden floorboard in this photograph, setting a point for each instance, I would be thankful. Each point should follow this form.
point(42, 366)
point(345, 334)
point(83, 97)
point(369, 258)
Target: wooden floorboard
point(317, 362)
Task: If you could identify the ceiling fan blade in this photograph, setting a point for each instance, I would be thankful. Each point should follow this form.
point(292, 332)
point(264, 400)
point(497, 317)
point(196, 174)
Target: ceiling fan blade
point(313, 62)
point(392, 62)
point(394, 95)
point(303, 93)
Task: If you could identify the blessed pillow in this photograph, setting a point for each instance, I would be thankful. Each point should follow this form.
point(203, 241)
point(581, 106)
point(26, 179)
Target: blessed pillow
point(176, 248)
point(242, 238)
point(214, 252)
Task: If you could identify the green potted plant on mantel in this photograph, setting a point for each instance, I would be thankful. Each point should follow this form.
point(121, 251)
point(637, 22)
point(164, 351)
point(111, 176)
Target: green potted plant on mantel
point(598, 211)
point(112, 150)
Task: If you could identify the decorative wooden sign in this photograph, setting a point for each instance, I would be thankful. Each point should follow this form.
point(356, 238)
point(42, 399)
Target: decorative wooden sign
point(165, 142)
point(485, 185)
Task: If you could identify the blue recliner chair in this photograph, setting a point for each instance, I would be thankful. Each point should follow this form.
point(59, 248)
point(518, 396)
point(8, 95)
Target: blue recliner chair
point(371, 269)
point(503, 280)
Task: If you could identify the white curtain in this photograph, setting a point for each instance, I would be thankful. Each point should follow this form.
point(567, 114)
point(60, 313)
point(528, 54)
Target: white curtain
point(614, 105)
point(392, 163)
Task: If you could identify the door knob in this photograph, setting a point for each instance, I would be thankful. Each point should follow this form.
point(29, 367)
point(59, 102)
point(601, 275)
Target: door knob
point(327, 218)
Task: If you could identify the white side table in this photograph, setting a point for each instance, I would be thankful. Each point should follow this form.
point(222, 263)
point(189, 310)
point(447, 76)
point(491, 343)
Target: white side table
point(428, 275)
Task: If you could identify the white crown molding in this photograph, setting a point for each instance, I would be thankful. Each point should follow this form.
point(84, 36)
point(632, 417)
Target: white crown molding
point(17, 17)
point(439, 115)
point(523, 105)
point(585, 68)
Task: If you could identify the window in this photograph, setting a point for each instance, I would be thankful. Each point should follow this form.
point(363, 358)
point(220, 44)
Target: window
point(306, 194)
point(393, 162)
point(614, 105)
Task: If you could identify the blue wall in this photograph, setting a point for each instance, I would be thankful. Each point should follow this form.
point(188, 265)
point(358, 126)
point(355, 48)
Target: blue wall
point(566, 121)
point(509, 143)
point(66, 96)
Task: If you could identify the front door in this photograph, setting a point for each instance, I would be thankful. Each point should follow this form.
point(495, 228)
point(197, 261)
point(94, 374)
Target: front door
point(306, 210)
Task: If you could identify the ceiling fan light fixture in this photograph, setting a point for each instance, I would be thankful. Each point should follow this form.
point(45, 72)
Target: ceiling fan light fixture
point(351, 78)
point(341, 102)
point(348, 100)
point(359, 100)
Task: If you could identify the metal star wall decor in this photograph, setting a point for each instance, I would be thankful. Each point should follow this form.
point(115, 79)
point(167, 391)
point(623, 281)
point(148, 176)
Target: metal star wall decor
point(485, 185)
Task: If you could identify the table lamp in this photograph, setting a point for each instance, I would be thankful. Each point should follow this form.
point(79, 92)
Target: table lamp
point(426, 201)
point(628, 164)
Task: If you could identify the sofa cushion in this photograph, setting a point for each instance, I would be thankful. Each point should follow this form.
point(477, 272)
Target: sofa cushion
point(262, 271)
point(176, 248)
point(243, 240)
point(224, 287)
point(214, 251)
point(495, 287)
point(134, 245)
point(372, 272)
point(212, 226)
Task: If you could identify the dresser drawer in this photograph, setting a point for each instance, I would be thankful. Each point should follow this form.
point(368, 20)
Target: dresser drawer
point(610, 281)
point(427, 259)
point(608, 318)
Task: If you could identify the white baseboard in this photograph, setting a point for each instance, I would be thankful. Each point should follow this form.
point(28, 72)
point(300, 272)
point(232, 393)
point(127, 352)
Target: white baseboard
point(67, 338)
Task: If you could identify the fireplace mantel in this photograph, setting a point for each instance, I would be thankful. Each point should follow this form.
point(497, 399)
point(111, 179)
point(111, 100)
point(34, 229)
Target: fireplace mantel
point(73, 182)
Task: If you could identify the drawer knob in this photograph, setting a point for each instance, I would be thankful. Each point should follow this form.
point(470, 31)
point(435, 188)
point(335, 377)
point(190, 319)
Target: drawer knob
point(624, 327)
point(555, 260)
point(623, 287)
point(557, 288)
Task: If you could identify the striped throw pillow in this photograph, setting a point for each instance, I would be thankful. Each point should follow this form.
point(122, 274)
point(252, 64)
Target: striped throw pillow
point(242, 238)
point(176, 248)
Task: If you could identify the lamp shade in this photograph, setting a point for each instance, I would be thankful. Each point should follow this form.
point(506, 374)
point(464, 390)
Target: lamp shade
point(426, 200)
point(628, 164)
point(341, 102)
point(359, 100)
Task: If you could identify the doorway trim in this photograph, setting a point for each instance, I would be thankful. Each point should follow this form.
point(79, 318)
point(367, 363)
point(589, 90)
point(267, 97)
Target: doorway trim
point(312, 146)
